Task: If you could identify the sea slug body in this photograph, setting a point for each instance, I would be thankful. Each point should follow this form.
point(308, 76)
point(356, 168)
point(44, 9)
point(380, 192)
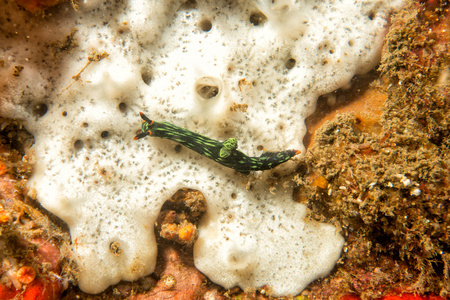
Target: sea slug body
point(225, 153)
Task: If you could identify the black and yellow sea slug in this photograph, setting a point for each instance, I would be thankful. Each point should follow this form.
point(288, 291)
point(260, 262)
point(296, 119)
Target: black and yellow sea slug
point(225, 153)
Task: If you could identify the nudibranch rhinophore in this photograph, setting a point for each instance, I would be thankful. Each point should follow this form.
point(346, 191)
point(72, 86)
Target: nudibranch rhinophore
point(225, 153)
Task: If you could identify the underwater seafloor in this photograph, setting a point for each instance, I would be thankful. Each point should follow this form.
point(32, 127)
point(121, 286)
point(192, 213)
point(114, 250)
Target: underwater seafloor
point(377, 165)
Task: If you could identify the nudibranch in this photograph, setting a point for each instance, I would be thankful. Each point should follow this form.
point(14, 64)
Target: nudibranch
point(224, 153)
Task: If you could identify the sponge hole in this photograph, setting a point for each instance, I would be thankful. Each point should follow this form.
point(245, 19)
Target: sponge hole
point(178, 148)
point(207, 91)
point(40, 109)
point(146, 75)
point(208, 87)
point(189, 4)
point(205, 25)
point(257, 18)
point(290, 63)
point(123, 107)
point(78, 145)
point(104, 134)
point(115, 248)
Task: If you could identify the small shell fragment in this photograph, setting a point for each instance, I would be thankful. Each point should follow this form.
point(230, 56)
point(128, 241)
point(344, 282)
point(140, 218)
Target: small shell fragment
point(415, 192)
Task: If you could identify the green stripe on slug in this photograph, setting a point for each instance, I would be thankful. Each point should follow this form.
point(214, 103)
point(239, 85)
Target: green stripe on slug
point(225, 153)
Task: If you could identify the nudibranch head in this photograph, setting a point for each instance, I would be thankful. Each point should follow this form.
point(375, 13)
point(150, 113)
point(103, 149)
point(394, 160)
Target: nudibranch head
point(145, 127)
